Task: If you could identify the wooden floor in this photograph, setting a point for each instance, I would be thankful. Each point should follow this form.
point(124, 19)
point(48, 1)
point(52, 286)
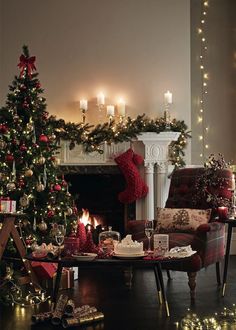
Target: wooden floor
point(138, 308)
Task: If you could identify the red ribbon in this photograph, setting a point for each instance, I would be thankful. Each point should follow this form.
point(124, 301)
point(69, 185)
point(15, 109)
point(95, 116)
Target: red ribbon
point(26, 63)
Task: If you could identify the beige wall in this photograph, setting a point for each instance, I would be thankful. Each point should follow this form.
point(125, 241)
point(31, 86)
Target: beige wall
point(132, 48)
point(220, 62)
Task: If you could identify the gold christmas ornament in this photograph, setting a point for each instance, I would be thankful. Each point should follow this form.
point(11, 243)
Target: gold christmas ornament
point(43, 226)
point(24, 201)
point(40, 187)
point(56, 161)
point(29, 172)
point(2, 144)
point(69, 211)
point(41, 160)
point(11, 186)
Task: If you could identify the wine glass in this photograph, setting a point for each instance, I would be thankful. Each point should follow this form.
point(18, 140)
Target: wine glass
point(59, 237)
point(149, 229)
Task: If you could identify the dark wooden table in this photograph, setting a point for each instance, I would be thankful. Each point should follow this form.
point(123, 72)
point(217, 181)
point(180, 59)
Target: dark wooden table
point(231, 223)
point(127, 264)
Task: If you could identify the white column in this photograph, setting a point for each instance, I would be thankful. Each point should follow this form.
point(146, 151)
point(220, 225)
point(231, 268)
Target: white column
point(156, 151)
point(149, 179)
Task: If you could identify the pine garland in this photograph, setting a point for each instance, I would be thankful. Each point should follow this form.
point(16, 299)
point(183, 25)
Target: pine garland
point(92, 137)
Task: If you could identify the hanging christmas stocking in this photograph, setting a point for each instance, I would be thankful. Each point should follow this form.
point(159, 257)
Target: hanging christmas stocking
point(135, 186)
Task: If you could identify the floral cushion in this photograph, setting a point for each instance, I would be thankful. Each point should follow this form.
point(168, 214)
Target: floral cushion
point(181, 220)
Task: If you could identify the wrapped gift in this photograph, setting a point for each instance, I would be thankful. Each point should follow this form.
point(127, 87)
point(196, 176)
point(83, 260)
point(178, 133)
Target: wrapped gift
point(44, 270)
point(67, 280)
point(71, 245)
point(7, 205)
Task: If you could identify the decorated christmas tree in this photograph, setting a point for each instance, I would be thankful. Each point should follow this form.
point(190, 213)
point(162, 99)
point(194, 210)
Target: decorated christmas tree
point(29, 172)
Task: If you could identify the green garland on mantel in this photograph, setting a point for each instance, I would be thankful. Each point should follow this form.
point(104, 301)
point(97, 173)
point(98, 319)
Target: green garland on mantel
point(92, 137)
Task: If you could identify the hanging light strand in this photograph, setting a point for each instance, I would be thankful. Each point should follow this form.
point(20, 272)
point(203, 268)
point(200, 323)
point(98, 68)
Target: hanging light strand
point(204, 80)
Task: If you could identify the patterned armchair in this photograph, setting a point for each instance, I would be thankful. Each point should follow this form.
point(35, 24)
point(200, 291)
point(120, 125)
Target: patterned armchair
point(208, 239)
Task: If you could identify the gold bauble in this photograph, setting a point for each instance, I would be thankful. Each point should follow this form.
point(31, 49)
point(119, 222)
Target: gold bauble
point(43, 226)
point(29, 172)
point(41, 160)
point(40, 187)
point(2, 144)
point(11, 186)
point(69, 211)
point(24, 200)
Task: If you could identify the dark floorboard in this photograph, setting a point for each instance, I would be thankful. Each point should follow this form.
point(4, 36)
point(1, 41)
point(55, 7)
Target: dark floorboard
point(138, 308)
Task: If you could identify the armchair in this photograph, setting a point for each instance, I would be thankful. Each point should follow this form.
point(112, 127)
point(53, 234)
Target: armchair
point(208, 239)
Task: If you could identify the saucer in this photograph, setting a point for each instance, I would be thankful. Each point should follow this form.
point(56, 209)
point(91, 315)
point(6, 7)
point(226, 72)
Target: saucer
point(85, 256)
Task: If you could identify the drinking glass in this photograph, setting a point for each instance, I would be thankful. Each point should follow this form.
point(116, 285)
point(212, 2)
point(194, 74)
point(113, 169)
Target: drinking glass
point(59, 237)
point(149, 229)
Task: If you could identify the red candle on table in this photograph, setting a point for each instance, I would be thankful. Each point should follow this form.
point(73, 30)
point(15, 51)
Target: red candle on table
point(222, 212)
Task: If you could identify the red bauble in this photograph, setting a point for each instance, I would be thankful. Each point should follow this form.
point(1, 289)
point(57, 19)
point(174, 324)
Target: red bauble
point(45, 115)
point(57, 187)
point(9, 158)
point(23, 147)
point(38, 85)
point(43, 138)
point(64, 183)
point(3, 128)
point(21, 183)
point(50, 214)
point(25, 105)
point(75, 210)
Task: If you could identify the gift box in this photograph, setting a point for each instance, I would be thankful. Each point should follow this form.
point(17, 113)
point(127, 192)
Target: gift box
point(44, 270)
point(7, 205)
point(71, 245)
point(67, 280)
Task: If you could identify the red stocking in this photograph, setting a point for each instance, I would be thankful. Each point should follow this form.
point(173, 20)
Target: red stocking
point(136, 188)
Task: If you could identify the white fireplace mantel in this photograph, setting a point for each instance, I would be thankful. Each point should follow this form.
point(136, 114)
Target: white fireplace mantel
point(154, 147)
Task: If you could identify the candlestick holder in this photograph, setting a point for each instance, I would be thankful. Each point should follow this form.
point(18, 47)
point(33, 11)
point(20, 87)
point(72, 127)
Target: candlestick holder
point(101, 108)
point(167, 116)
point(110, 118)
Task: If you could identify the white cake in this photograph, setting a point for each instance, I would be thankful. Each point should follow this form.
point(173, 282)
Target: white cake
point(128, 246)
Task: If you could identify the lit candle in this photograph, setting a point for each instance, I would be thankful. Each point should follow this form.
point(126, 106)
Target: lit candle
point(168, 97)
point(222, 212)
point(84, 105)
point(101, 99)
point(121, 108)
point(233, 182)
point(110, 110)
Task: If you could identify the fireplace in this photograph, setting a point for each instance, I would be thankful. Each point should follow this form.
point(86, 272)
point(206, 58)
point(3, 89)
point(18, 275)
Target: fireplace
point(96, 189)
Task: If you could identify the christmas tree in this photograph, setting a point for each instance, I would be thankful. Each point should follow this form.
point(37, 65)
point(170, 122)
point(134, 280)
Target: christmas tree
point(29, 172)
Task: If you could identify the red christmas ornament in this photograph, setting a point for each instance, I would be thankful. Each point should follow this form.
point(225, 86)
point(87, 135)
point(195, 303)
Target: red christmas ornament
point(21, 183)
point(57, 187)
point(3, 129)
point(27, 63)
point(50, 213)
point(45, 115)
point(43, 138)
point(81, 234)
point(135, 186)
point(9, 158)
point(64, 183)
point(75, 210)
point(23, 147)
point(25, 105)
point(38, 85)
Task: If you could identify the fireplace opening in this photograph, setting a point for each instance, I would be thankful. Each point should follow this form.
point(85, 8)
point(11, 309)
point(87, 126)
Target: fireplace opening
point(98, 193)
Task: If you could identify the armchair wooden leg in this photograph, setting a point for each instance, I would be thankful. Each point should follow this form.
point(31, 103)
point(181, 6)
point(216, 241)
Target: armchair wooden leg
point(218, 273)
point(192, 284)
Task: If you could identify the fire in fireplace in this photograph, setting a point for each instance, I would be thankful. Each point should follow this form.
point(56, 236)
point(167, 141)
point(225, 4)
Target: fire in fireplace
point(96, 189)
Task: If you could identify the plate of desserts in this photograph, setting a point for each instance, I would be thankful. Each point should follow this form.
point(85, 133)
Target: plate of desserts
point(128, 249)
point(84, 256)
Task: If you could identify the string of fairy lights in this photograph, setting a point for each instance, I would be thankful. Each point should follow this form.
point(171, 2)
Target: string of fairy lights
point(204, 128)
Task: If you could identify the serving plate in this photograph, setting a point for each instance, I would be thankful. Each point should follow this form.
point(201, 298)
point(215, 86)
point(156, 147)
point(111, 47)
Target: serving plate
point(85, 256)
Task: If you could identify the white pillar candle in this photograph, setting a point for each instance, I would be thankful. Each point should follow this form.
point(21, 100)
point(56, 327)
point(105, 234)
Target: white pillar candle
point(110, 110)
point(168, 97)
point(121, 108)
point(233, 182)
point(101, 99)
point(84, 105)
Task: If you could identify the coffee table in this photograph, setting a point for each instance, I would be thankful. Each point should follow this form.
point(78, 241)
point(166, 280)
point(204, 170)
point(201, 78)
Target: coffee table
point(155, 264)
